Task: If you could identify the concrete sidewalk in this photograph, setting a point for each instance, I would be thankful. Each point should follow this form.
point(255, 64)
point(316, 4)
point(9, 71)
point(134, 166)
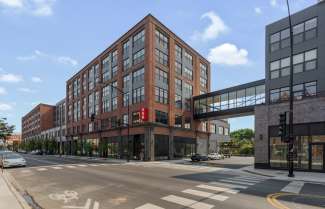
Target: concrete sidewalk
point(312, 177)
point(7, 196)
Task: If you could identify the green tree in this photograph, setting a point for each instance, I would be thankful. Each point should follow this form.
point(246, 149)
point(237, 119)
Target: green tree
point(5, 129)
point(241, 134)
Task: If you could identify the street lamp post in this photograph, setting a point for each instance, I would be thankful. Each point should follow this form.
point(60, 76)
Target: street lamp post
point(291, 137)
point(60, 122)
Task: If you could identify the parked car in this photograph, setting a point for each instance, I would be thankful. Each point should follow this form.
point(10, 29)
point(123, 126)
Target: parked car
point(11, 160)
point(36, 152)
point(198, 157)
point(216, 156)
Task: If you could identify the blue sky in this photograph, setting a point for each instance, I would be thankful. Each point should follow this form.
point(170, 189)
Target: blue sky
point(44, 42)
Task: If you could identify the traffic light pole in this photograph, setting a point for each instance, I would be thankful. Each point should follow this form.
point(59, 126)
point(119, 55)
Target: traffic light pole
point(291, 137)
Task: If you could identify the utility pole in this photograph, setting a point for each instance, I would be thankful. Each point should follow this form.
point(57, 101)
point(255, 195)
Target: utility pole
point(291, 137)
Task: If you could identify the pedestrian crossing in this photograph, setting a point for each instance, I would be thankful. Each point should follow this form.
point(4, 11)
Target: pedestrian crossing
point(59, 167)
point(214, 192)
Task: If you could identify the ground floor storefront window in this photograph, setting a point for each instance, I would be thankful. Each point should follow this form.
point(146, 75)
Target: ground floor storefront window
point(161, 147)
point(309, 153)
point(184, 147)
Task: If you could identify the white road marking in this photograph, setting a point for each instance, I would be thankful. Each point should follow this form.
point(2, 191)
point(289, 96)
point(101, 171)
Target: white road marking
point(228, 185)
point(247, 180)
point(236, 182)
point(57, 168)
point(81, 165)
point(149, 206)
point(187, 202)
point(293, 187)
point(70, 166)
point(206, 194)
point(218, 189)
point(250, 178)
point(94, 165)
point(42, 169)
point(87, 205)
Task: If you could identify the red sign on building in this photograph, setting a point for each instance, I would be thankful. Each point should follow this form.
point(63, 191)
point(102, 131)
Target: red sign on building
point(144, 114)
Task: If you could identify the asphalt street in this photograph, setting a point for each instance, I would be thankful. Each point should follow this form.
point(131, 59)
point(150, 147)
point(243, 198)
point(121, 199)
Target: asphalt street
point(54, 182)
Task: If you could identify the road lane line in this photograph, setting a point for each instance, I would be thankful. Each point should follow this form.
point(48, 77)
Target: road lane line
point(70, 166)
point(206, 194)
point(149, 206)
point(293, 187)
point(94, 165)
point(236, 182)
point(218, 189)
point(187, 202)
point(57, 168)
point(81, 165)
point(42, 169)
point(228, 185)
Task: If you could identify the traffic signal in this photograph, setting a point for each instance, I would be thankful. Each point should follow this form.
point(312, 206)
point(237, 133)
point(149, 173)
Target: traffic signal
point(283, 127)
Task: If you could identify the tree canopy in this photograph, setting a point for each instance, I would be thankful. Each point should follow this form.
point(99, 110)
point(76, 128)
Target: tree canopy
point(5, 129)
point(242, 134)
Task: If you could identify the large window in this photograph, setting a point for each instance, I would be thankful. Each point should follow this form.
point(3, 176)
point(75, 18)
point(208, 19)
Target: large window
point(301, 32)
point(188, 73)
point(126, 82)
point(91, 104)
point(138, 57)
point(161, 40)
point(178, 52)
point(161, 76)
point(126, 48)
point(305, 61)
point(96, 102)
point(188, 90)
point(178, 68)
point(136, 118)
point(114, 95)
point(106, 69)
point(188, 58)
point(178, 101)
point(138, 95)
point(280, 68)
point(91, 78)
point(161, 95)
point(203, 75)
point(138, 76)
point(138, 39)
point(178, 121)
point(114, 63)
point(161, 117)
point(106, 99)
point(299, 91)
point(161, 57)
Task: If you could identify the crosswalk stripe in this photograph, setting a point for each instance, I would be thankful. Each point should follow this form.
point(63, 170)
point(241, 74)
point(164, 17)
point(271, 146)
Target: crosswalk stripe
point(187, 202)
point(81, 165)
point(94, 165)
point(71, 166)
point(42, 169)
point(206, 194)
point(56, 168)
point(218, 189)
point(250, 178)
point(229, 185)
point(247, 180)
point(149, 206)
point(293, 187)
point(237, 182)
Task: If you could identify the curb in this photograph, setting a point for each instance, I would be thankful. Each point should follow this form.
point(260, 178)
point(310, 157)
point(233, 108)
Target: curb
point(22, 202)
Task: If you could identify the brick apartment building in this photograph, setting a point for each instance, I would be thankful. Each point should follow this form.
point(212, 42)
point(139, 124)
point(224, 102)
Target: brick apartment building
point(155, 73)
point(37, 120)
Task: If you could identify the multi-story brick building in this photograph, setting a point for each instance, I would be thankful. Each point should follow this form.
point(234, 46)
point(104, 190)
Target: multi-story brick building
point(150, 69)
point(37, 120)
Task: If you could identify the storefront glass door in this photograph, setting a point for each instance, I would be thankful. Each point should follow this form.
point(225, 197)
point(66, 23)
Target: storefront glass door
point(317, 156)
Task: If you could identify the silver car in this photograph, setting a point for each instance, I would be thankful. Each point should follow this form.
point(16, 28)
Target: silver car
point(11, 160)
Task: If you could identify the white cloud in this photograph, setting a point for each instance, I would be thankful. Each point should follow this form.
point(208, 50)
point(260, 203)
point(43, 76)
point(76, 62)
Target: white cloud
point(5, 107)
point(228, 54)
point(26, 90)
point(258, 10)
point(37, 79)
point(274, 3)
point(67, 60)
point(3, 91)
point(33, 7)
point(213, 30)
point(59, 59)
point(11, 78)
point(12, 3)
